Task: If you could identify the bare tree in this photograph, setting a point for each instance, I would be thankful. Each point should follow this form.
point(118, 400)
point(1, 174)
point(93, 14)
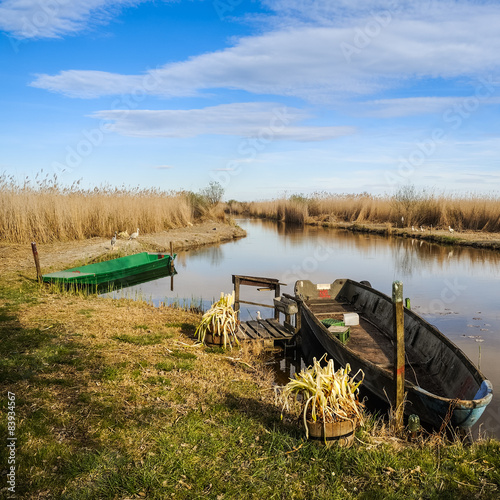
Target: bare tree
point(213, 192)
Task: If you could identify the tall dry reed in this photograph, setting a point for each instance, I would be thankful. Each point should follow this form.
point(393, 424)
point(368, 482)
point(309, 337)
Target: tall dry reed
point(43, 211)
point(407, 207)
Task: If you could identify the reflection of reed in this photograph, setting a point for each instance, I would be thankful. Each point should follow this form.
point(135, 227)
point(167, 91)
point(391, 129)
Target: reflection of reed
point(410, 255)
point(214, 254)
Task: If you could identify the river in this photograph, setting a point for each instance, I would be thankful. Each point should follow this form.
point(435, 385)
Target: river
point(456, 289)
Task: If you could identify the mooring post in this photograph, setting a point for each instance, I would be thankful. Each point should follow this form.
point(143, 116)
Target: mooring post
point(277, 293)
point(236, 281)
point(37, 261)
point(399, 349)
point(171, 256)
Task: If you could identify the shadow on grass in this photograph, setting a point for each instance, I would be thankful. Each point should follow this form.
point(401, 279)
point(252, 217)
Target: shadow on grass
point(267, 414)
point(49, 373)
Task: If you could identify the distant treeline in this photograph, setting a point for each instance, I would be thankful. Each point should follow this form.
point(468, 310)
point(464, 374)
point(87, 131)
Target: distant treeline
point(407, 207)
point(42, 210)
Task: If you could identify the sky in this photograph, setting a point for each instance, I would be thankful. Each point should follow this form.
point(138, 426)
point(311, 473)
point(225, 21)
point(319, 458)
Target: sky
point(268, 98)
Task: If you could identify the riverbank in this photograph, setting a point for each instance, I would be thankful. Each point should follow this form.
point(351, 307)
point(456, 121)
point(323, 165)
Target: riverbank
point(114, 399)
point(475, 239)
point(17, 260)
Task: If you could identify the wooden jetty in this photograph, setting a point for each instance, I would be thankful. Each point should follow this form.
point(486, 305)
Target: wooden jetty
point(267, 331)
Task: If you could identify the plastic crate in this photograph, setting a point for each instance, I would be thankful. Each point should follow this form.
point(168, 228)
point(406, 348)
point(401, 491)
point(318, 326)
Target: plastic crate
point(343, 333)
point(332, 322)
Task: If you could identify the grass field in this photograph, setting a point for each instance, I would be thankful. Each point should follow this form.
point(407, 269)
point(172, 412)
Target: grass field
point(113, 399)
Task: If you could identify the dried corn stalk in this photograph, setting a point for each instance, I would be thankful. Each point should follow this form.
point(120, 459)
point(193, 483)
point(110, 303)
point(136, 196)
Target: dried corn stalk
point(327, 395)
point(220, 320)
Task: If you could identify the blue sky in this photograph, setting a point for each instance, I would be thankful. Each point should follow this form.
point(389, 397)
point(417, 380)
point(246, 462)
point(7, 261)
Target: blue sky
point(266, 97)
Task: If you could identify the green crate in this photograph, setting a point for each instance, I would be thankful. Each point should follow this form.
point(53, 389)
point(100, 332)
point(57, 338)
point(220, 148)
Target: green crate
point(332, 322)
point(341, 332)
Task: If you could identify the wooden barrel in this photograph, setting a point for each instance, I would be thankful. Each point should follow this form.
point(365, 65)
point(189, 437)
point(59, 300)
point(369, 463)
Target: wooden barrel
point(216, 340)
point(340, 433)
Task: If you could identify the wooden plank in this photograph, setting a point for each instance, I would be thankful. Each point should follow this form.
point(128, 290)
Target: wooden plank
point(250, 332)
point(267, 330)
point(281, 333)
point(242, 333)
point(255, 280)
point(271, 330)
point(256, 304)
point(259, 328)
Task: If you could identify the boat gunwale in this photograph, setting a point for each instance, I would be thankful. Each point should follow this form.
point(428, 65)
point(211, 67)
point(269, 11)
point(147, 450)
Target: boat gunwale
point(479, 377)
point(80, 274)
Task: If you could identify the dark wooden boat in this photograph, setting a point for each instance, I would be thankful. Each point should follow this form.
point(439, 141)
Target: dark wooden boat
point(124, 269)
point(441, 383)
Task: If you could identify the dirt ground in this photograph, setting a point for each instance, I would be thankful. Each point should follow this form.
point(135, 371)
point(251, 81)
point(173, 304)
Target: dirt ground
point(18, 259)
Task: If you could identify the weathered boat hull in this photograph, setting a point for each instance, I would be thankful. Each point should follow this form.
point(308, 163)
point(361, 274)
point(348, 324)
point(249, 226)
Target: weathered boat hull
point(123, 270)
point(448, 387)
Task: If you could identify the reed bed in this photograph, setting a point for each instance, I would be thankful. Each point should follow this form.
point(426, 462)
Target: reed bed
point(43, 211)
point(407, 207)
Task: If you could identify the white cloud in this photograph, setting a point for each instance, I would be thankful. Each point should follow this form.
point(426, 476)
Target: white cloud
point(359, 55)
point(264, 121)
point(25, 19)
point(411, 106)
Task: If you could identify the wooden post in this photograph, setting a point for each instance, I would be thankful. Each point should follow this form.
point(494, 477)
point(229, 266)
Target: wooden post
point(171, 256)
point(399, 348)
point(37, 262)
point(236, 280)
point(277, 293)
point(171, 266)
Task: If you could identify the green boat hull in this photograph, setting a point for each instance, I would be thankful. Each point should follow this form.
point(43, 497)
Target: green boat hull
point(123, 268)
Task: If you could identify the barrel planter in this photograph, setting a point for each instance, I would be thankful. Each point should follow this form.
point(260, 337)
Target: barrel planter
point(214, 340)
point(331, 433)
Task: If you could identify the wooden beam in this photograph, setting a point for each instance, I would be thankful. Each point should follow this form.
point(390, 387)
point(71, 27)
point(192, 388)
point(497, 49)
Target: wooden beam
point(256, 281)
point(236, 281)
point(277, 293)
point(254, 303)
point(37, 262)
point(399, 349)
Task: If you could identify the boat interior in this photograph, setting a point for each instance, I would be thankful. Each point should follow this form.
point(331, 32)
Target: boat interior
point(432, 362)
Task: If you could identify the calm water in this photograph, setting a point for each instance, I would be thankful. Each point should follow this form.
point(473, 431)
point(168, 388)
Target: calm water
point(456, 289)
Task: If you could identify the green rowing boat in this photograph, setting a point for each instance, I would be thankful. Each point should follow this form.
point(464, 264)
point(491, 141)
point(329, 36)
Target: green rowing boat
point(113, 270)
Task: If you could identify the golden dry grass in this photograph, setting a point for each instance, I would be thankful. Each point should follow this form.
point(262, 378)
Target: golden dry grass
point(44, 211)
point(467, 212)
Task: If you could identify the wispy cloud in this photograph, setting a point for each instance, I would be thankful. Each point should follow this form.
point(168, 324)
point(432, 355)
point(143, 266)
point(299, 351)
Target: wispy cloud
point(314, 62)
point(266, 121)
point(54, 18)
point(412, 106)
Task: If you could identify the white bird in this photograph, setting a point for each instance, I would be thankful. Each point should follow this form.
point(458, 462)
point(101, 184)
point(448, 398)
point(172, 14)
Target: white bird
point(133, 236)
point(258, 316)
point(422, 229)
point(413, 228)
point(451, 229)
point(113, 239)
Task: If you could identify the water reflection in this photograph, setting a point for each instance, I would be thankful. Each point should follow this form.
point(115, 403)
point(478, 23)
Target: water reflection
point(213, 255)
point(455, 288)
